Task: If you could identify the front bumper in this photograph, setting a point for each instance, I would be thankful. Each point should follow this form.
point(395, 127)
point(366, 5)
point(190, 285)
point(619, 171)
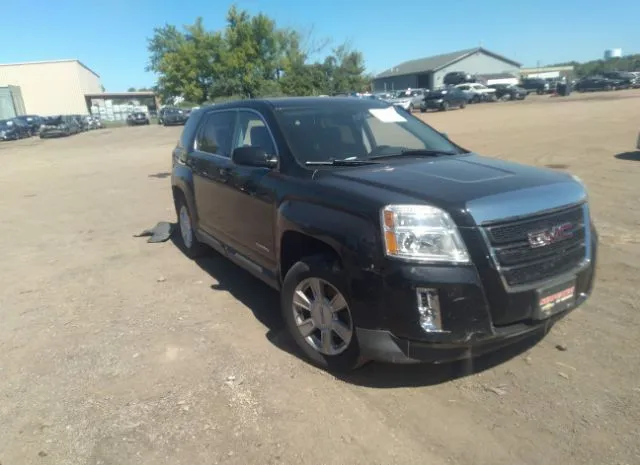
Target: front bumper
point(471, 302)
point(432, 104)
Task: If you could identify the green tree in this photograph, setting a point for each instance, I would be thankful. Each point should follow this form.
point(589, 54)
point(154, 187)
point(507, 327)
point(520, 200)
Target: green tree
point(251, 57)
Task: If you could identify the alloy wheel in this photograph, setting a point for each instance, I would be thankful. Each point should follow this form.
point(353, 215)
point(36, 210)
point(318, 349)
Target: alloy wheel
point(322, 316)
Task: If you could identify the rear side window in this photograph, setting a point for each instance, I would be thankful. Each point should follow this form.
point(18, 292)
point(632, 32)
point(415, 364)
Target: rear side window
point(216, 133)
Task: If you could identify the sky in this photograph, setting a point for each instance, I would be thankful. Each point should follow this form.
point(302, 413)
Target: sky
point(110, 36)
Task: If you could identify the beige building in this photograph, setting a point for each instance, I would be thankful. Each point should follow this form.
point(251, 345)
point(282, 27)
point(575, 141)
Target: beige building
point(52, 87)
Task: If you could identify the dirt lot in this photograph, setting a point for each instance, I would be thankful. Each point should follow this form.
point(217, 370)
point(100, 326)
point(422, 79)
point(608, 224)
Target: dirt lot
point(116, 352)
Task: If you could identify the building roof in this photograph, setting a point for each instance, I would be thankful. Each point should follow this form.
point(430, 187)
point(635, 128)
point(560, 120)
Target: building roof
point(121, 94)
point(435, 63)
point(52, 61)
point(545, 69)
point(496, 76)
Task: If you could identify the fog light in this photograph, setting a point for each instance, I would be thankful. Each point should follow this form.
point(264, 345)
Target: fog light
point(429, 309)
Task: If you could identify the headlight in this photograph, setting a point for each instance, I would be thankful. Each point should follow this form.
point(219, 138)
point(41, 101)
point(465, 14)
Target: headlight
point(422, 233)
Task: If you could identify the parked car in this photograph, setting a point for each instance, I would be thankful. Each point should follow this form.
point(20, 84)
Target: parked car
point(14, 129)
point(477, 92)
point(457, 77)
point(537, 85)
point(137, 118)
point(33, 121)
point(385, 240)
point(409, 98)
point(444, 99)
point(595, 83)
point(629, 80)
point(81, 121)
point(509, 92)
point(96, 122)
point(62, 125)
point(171, 116)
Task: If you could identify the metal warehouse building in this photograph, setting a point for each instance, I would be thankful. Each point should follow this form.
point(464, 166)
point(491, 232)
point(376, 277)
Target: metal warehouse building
point(428, 73)
point(51, 87)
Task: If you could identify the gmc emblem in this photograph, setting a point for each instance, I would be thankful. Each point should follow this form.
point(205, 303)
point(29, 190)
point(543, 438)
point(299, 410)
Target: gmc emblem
point(551, 235)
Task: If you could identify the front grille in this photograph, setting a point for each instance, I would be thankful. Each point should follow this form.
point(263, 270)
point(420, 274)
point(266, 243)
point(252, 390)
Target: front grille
point(520, 263)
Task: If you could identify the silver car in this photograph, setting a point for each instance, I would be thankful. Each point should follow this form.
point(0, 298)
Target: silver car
point(409, 98)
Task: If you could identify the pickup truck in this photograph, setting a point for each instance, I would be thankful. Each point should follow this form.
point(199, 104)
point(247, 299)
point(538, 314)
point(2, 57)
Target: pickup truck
point(385, 239)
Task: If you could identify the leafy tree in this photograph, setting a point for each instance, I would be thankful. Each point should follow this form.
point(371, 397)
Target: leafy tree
point(251, 57)
point(589, 68)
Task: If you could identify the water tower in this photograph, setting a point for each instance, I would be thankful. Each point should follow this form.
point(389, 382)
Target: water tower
point(612, 53)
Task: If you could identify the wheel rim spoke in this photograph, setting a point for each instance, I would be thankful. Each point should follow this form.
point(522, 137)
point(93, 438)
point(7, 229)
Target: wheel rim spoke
point(341, 329)
point(301, 300)
point(316, 288)
point(338, 303)
point(325, 341)
point(306, 327)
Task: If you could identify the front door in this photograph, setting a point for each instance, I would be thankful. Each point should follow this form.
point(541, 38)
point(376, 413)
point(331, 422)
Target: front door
point(254, 203)
point(211, 166)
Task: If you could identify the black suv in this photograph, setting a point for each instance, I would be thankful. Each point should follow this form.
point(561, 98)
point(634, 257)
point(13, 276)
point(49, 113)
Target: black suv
point(170, 116)
point(539, 86)
point(385, 239)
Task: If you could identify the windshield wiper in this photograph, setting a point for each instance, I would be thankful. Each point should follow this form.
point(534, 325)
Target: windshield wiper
point(343, 162)
point(416, 152)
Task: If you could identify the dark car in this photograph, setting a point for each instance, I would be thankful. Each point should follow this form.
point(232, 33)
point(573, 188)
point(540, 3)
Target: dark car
point(509, 92)
point(172, 116)
point(137, 118)
point(444, 99)
point(33, 121)
point(14, 129)
point(539, 86)
point(457, 77)
point(595, 83)
point(628, 80)
point(62, 125)
point(385, 239)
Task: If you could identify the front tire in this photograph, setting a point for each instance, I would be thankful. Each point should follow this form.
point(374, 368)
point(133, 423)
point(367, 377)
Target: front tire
point(191, 246)
point(316, 311)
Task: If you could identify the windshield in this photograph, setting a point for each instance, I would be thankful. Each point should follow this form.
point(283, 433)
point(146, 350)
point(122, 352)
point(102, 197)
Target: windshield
point(54, 121)
point(359, 132)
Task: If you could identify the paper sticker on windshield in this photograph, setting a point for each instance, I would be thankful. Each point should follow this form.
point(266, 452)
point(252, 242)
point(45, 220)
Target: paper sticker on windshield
point(387, 115)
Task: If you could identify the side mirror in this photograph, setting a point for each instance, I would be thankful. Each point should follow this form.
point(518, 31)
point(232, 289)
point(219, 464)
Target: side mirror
point(253, 156)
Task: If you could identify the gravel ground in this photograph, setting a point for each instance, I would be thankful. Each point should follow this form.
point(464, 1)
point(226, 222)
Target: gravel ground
point(116, 352)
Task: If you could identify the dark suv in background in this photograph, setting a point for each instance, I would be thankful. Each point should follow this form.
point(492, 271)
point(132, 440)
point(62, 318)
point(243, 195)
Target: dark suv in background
point(171, 116)
point(385, 239)
point(14, 129)
point(539, 86)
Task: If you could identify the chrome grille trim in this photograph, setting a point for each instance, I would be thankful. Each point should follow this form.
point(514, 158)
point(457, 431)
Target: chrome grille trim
point(547, 281)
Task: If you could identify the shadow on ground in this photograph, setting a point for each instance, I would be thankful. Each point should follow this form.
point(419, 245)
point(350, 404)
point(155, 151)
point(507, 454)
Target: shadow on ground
point(633, 156)
point(264, 303)
point(161, 175)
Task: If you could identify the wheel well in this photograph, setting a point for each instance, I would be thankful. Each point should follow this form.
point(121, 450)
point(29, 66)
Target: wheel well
point(295, 245)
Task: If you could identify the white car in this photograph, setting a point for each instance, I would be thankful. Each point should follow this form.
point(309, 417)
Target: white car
point(477, 92)
point(408, 99)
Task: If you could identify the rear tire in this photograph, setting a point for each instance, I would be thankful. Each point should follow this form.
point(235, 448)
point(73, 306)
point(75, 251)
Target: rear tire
point(190, 244)
point(315, 308)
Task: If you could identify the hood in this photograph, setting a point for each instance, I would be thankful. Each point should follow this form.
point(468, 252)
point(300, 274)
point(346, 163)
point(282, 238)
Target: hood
point(399, 99)
point(487, 189)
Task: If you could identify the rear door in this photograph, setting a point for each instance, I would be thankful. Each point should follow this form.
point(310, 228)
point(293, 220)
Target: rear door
point(210, 163)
